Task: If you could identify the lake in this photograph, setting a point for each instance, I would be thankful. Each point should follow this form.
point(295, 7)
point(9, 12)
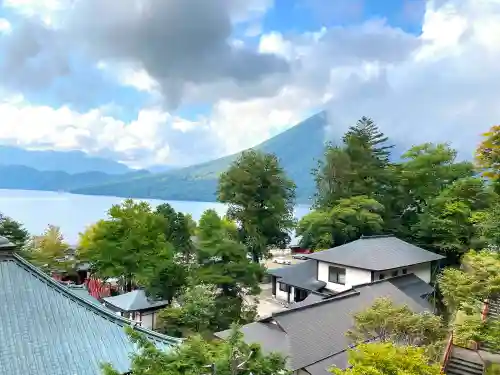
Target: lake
point(73, 212)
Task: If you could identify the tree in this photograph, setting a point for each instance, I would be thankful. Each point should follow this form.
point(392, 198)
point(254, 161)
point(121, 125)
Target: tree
point(346, 221)
point(487, 225)
point(178, 229)
point(488, 154)
point(359, 167)
point(425, 171)
point(333, 176)
point(196, 312)
point(448, 222)
point(223, 262)
point(197, 356)
point(478, 279)
point(261, 200)
point(49, 251)
point(387, 322)
point(131, 245)
point(387, 358)
point(368, 134)
point(13, 231)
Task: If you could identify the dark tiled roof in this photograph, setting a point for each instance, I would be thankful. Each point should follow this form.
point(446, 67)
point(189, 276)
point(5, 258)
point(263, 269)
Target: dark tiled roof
point(376, 253)
point(135, 300)
point(339, 360)
point(269, 335)
point(302, 275)
point(413, 286)
point(52, 331)
point(317, 331)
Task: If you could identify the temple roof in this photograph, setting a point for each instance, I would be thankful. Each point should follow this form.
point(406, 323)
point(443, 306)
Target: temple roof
point(48, 329)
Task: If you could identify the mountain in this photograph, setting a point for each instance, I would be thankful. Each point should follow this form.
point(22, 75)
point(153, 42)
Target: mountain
point(71, 162)
point(297, 148)
point(26, 178)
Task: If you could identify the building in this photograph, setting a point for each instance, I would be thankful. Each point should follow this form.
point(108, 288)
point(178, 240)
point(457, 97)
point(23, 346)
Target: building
point(48, 329)
point(356, 263)
point(312, 334)
point(137, 306)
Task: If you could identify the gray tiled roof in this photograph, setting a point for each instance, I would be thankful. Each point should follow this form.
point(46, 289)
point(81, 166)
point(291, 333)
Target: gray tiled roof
point(376, 253)
point(302, 275)
point(317, 331)
point(135, 300)
point(48, 330)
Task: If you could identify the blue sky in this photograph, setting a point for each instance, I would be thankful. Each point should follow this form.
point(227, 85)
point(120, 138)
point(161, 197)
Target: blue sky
point(182, 81)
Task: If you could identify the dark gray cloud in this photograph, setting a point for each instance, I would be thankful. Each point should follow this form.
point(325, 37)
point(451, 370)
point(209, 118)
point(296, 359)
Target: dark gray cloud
point(178, 42)
point(32, 57)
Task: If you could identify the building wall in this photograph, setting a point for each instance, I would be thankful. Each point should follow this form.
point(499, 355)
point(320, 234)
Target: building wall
point(423, 271)
point(147, 320)
point(280, 294)
point(353, 277)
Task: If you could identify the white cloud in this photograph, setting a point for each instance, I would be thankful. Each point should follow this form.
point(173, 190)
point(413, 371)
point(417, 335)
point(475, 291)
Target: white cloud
point(139, 142)
point(441, 85)
point(5, 26)
point(128, 75)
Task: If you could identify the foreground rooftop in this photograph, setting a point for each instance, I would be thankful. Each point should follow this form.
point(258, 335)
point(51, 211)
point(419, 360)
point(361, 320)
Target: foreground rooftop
point(313, 334)
point(48, 329)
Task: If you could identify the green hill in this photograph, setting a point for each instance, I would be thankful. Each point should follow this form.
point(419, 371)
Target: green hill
point(21, 177)
point(297, 148)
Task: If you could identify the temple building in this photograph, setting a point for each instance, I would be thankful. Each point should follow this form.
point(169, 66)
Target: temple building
point(49, 329)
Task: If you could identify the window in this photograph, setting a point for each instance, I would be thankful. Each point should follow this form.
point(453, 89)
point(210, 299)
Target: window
point(404, 271)
point(283, 287)
point(394, 273)
point(336, 275)
point(381, 276)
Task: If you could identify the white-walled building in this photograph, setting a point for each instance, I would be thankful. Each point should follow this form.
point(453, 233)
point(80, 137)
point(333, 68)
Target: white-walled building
point(135, 305)
point(359, 262)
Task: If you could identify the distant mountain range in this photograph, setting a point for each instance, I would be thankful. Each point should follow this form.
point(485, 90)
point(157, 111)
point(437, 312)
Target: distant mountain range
point(64, 161)
point(26, 178)
point(298, 150)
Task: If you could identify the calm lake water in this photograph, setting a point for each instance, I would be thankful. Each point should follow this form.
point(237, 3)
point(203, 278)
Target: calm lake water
point(72, 212)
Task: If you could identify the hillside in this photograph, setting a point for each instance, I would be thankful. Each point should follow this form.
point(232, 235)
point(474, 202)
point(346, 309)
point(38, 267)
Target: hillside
point(298, 148)
point(26, 178)
point(71, 162)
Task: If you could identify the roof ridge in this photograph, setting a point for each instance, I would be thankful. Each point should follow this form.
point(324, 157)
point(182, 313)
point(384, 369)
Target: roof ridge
point(389, 279)
point(102, 311)
point(367, 237)
point(337, 297)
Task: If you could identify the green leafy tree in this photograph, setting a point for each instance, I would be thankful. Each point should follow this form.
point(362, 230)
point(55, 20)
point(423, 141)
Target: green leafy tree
point(478, 279)
point(195, 312)
point(49, 251)
point(223, 262)
point(178, 229)
point(333, 176)
point(388, 322)
point(448, 222)
point(346, 221)
point(388, 358)
point(13, 231)
point(197, 356)
point(131, 245)
point(261, 200)
point(425, 171)
point(488, 154)
point(487, 225)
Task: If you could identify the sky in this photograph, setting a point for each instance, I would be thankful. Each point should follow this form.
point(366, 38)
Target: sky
point(176, 82)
